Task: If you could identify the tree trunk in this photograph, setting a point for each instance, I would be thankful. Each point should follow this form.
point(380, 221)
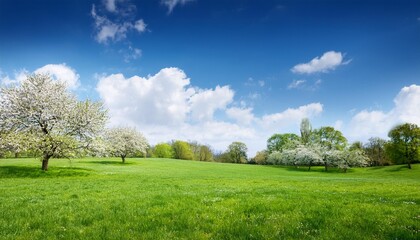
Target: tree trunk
point(45, 160)
point(326, 166)
point(409, 165)
point(309, 169)
point(123, 159)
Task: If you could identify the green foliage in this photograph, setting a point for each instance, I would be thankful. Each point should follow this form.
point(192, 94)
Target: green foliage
point(279, 142)
point(222, 157)
point(376, 152)
point(163, 150)
point(205, 153)
point(237, 152)
point(405, 143)
point(182, 150)
point(261, 157)
point(162, 198)
point(329, 138)
point(305, 131)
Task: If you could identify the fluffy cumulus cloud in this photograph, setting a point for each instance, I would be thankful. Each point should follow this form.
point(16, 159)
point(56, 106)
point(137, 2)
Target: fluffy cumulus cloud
point(243, 116)
point(59, 72)
point(205, 102)
point(327, 62)
point(62, 73)
point(365, 124)
point(171, 4)
point(166, 106)
point(290, 116)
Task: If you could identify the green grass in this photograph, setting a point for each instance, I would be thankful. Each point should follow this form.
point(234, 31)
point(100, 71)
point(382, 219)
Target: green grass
point(172, 199)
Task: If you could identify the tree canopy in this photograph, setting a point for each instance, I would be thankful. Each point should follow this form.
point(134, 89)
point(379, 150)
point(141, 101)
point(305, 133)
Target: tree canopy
point(405, 142)
point(125, 141)
point(58, 124)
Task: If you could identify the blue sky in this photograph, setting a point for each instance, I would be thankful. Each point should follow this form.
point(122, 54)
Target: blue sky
point(222, 71)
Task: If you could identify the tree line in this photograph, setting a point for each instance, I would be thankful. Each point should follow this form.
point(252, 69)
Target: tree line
point(41, 118)
point(328, 147)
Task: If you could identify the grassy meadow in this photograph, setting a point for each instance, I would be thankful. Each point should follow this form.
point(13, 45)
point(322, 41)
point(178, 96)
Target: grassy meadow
point(95, 198)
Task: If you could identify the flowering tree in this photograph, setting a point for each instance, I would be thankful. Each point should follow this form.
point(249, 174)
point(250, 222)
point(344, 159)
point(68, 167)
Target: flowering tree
point(14, 143)
point(59, 124)
point(351, 158)
point(125, 141)
point(330, 140)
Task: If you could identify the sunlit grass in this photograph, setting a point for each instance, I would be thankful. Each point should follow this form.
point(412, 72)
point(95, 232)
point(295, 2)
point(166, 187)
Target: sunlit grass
point(167, 199)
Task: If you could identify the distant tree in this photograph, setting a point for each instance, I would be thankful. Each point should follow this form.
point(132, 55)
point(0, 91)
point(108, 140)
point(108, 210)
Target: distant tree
point(375, 151)
point(261, 157)
point(308, 155)
point(205, 153)
point(305, 131)
point(405, 142)
point(356, 146)
point(58, 123)
point(237, 152)
point(163, 150)
point(125, 141)
point(279, 142)
point(276, 158)
point(182, 150)
point(222, 157)
point(329, 139)
point(351, 158)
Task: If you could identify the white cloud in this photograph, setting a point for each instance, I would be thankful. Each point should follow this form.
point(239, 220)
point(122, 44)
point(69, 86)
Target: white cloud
point(171, 4)
point(305, 85)
point(131, 54)
point(110, 5)
point(19, 76)
point(62, 73)
point(205, 102)
point(296, 84)
point(291, 116)
point(367, 124)
point(114, 31)
point(140, 26)
point(166, 106)
point(328, 61)
point(243, 116)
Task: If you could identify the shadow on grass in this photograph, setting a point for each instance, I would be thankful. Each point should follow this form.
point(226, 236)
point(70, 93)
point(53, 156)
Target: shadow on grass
point(394, 168)
point(111, 162)
point(319, 169)
point(397, 168)
point(36, 172)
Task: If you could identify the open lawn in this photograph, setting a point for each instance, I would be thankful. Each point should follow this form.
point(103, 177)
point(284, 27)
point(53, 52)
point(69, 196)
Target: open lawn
point(173, 199)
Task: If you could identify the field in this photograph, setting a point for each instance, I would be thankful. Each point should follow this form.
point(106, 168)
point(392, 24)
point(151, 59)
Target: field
point(174, 199)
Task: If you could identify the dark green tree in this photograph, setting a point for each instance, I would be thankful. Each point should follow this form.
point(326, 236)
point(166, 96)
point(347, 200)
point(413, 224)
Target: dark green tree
point(237, 152)
point(279, 142)
point(405, 142)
